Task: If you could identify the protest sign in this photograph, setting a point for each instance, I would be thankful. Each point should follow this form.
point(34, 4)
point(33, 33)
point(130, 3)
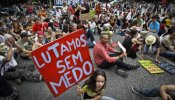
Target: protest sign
point(167, 67)
point(150, 67)
point(87, 16)
point(64, 62)
point(121, 46)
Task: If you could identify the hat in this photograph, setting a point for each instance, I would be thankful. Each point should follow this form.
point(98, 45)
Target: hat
point(150, 40)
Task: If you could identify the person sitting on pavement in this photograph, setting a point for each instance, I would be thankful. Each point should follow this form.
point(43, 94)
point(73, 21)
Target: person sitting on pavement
point(131, 43)
point(166, 92)
point(151, 40)
point(49, 35)
point(26, 44)
point(105, 60)
point(39, 41)
point(106, 30)
point(168, 44)
point(9, 67)
point(154, 26)
point(139, 20)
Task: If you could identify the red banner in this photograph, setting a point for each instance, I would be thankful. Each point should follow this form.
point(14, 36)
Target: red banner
point(64, 62)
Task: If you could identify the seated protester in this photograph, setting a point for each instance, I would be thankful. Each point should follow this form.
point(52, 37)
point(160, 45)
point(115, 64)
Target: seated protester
point(92, 25)
point(26, 44)
point(9, 69)
point(93, 88)
point(39, 41)
point(6, 55)
point(112, 22)
point(28, 29)
point(64, 8)
point(153, 40)
point(36, 26)
point(166, 92)
point(85, 7)
point(168, 44)
point(89, 35)
point(131, 43)
point(163, 28)
point(100, 24)
point(106, 30)
point(154, 26)
point(105, 60)
point(49, 35)
point(124, 26)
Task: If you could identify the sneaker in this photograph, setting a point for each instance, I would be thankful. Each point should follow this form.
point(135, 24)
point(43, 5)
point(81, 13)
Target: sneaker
point(121, 73)
point(138, 92)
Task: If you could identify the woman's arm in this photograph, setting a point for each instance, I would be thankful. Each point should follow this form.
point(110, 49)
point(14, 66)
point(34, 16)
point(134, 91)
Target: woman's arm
point(79, 90)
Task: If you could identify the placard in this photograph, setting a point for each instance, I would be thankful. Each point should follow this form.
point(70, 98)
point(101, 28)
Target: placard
point(167, 67)
point(64, 62)
point(150, 67)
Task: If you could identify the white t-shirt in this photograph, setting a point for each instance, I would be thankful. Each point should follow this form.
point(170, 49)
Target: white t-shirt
point(8, 65)
point(92, 25)
point(64, 9)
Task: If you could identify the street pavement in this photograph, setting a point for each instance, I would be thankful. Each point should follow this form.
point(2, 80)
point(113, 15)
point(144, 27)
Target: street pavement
point(117, 87)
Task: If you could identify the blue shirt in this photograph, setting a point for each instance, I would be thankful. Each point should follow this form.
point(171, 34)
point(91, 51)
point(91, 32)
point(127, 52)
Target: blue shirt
point(155, 26)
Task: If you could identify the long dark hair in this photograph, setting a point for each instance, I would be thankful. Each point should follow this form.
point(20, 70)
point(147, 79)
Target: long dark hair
point(92, 80)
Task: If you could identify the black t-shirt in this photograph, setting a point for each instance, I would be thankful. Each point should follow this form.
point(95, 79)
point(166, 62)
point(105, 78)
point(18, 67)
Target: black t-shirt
point(87, 9)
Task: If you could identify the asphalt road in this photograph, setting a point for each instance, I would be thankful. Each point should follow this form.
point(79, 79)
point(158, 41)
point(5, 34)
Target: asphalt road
point(117, 87)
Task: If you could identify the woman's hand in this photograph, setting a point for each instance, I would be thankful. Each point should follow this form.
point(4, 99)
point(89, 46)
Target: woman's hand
point(79, 90)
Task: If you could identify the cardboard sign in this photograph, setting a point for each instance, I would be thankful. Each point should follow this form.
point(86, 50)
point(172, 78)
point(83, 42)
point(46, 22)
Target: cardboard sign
point(150, 67)
point(167, 67)
point(87, 16)
point(121, 46)
point(64, 62)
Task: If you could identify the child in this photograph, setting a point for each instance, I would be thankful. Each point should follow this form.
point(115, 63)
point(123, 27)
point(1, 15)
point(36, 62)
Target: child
point(93, 88)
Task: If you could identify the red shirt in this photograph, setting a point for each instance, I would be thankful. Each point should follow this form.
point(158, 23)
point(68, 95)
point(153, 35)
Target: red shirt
point(36, 27)
point(101, 53)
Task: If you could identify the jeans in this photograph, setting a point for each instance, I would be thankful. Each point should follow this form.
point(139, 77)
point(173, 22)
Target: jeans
point(167, 54)
point(119, 63)
point(155, 92)
point(146, 48)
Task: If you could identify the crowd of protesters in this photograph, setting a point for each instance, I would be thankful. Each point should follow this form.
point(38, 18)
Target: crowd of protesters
point(33, 25)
